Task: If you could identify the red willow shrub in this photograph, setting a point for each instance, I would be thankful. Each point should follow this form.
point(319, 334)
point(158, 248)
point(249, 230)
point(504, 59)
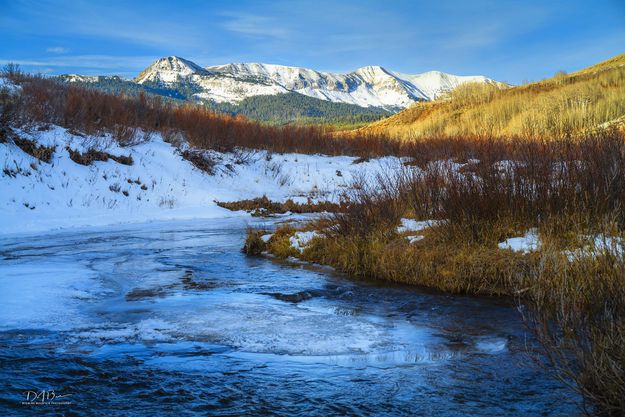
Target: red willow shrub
point(92, 112)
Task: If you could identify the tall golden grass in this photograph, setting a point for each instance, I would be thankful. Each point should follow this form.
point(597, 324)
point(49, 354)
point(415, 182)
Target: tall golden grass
point(576, 307)
point(568, 191)
point(565, 106)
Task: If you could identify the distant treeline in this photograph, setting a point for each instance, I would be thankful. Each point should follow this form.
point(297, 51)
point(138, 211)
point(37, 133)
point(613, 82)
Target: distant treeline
point(92, 111)
point(274, 109)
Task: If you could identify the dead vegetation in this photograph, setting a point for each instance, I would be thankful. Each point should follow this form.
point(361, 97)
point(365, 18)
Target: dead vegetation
point(573, 299)
point(200, 159)
point(263, 206)
point(132, 119)
point(562, 107)
point(93, 155)
point(42, 153)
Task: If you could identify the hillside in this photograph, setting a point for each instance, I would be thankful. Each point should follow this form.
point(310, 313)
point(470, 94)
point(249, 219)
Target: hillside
point(298, 108)
point(132, 159)
point(562, 106)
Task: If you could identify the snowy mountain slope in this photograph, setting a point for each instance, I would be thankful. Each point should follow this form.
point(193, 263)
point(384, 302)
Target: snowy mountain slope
point(173, 71)
point(368, 86)
point(435, 83)
point(365, 87)
point(159, 185)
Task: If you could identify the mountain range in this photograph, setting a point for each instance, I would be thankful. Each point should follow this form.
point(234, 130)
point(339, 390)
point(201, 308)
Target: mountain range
point(368, 93)
point(371, 86)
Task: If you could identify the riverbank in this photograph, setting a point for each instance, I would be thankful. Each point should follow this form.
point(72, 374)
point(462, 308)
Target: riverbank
point(546, 227)
point(162, 182)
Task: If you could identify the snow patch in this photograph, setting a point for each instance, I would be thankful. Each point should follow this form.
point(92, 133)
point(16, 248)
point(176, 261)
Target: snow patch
point(599, 244)
point(414, 239)
point(300, 240)
point(528, 243)
point(411, 225)
point(8, 85)
point(159, 185)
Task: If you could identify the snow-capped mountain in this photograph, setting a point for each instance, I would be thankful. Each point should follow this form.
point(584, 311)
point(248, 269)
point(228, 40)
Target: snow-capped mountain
point(365, 87)
point(220, 87)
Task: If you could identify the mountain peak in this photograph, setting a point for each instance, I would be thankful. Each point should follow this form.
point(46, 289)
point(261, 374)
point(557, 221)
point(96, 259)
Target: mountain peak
point(168, 70)
point(372, 70)
point(375, 68)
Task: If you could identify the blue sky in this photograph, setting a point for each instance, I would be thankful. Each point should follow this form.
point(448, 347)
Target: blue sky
point(510, 41)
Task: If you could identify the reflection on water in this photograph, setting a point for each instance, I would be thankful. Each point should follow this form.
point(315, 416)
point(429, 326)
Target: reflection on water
point(170, 318)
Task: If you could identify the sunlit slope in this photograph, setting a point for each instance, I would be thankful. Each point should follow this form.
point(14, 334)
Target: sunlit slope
point(565, 105)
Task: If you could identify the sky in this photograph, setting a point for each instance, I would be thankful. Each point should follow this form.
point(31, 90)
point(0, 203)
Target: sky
point(511, 41)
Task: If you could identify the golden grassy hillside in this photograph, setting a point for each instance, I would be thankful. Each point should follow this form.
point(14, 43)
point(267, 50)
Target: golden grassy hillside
point(563, 106)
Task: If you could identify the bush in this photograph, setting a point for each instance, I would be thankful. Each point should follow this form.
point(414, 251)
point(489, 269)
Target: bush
point(43, 153)
point(254, 245)
point(93, 155)
point(577, 310)
point(200, 160)
point(263, 206)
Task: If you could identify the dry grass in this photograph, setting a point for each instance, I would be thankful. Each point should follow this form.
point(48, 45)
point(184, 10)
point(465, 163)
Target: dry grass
point(93, 155)
point(564, 106)
point(576, 307)
point(565, 190)
point(254, 245)
point(42, 153)
point(437, 261)
point(263, 206)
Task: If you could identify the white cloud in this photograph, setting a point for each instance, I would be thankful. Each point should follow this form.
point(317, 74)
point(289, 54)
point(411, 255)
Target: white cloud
point(86, 64)
point(57, 50)
point(256, 26)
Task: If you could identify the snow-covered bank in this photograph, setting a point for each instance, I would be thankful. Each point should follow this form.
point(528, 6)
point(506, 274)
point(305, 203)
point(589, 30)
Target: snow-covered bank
point(159, 185)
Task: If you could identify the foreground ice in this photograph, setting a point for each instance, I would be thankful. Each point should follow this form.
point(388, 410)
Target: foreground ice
point(170, 314)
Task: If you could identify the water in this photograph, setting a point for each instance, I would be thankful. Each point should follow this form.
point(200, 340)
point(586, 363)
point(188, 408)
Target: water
point(171, 319)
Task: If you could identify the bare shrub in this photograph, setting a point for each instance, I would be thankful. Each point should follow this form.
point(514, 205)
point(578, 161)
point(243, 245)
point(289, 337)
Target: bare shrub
point(43, 153)
point(577, 309)
point(263, 206)
point(132, 119)
point(200, 159)
point(93, 155)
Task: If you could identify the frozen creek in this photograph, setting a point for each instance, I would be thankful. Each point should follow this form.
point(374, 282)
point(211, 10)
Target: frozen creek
point(170, 318)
